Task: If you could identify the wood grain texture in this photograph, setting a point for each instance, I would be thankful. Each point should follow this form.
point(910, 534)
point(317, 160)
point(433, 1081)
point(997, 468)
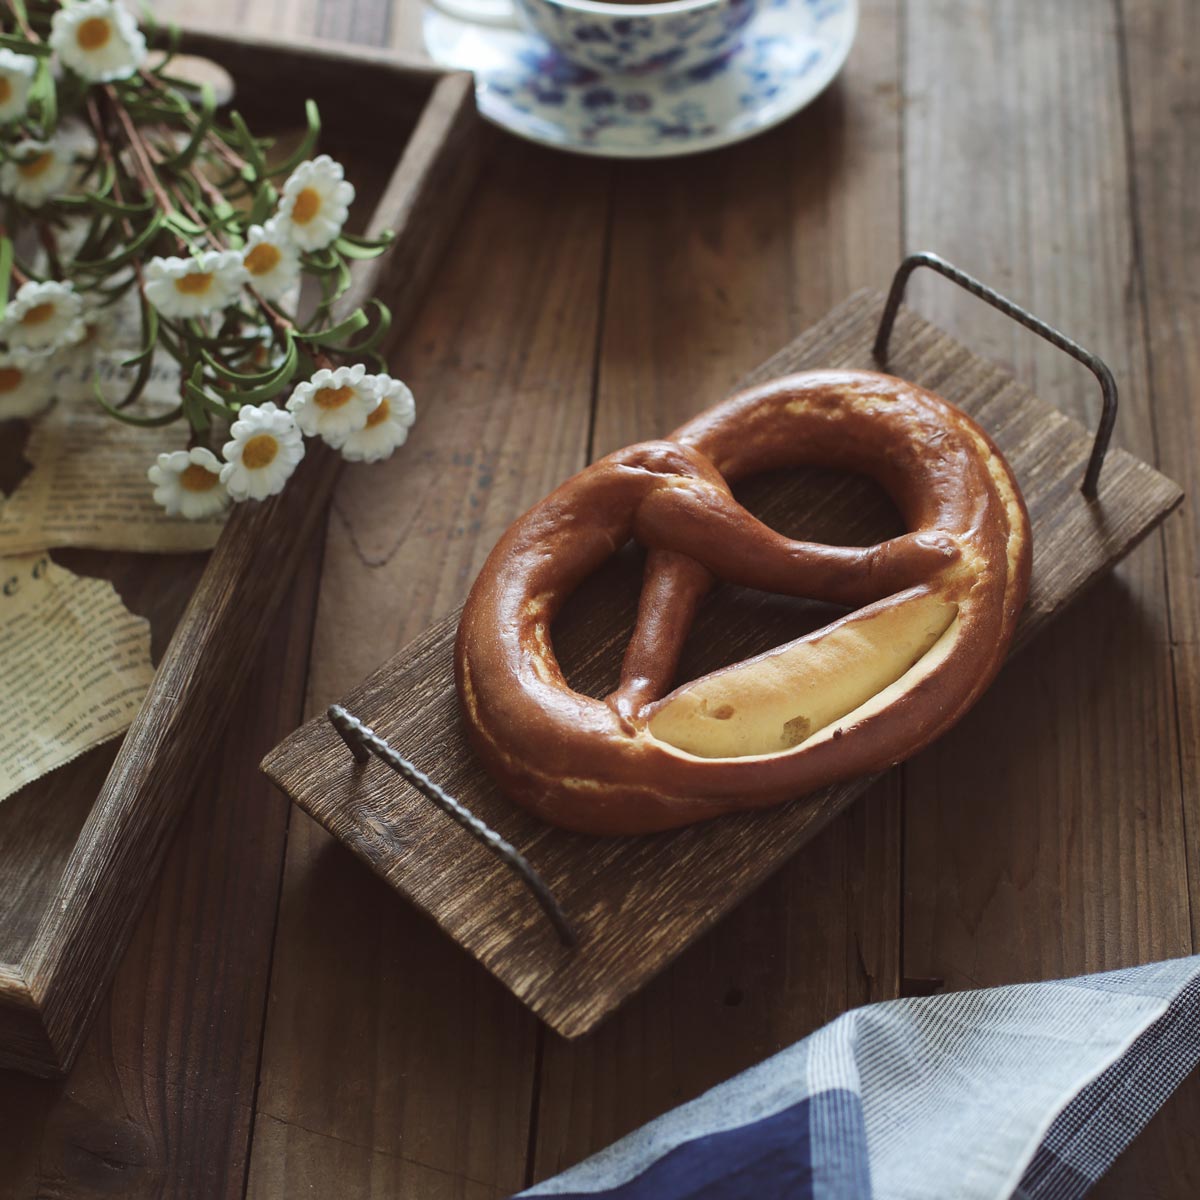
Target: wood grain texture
point(68, 949)
point(757, 250)
point(1058, 848)
point(436, 1068)
point(1003, 215)
point(159, 1100)
point(1164, 78)
point(638, 902)
point(39, 826)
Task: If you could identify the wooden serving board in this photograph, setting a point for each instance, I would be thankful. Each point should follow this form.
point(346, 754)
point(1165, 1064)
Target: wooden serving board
point(638, 902)
point(79, 848)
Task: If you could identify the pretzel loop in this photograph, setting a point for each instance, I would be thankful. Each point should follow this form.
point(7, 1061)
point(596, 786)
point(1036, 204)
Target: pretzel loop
point(934, 610)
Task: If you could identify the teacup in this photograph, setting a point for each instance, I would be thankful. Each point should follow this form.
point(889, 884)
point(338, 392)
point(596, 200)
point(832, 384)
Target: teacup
point(639, 39)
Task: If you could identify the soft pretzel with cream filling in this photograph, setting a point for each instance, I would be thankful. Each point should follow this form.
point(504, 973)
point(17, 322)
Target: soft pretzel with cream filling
point(933, 611)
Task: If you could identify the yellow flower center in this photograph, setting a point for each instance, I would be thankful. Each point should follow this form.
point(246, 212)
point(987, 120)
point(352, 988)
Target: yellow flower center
point(196, 478)
point(306, 205)
point(39, 314)
point(5, 89)
point(262, 259)
point(10, 379)
point(93, 34)
point(194, 284)
point(259, 451)
point(380, 414)
point(329, 398)
point(34, 167)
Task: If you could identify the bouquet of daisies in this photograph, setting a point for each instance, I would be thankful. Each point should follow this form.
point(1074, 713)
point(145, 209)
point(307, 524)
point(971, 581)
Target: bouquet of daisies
point(122, 187)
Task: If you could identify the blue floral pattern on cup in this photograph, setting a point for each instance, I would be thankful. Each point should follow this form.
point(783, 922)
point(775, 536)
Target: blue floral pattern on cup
point(786, 57)
point(628, 40)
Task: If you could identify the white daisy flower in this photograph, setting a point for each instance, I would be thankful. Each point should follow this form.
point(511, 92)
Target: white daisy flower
point(36, 171)
point(272, 261)
point(265, 448)
point(16, 74)
point(98, 40)
point(187, 483)
point(193, 287)
point(24, 389)
point(334, 403)
point(386, 428)
point(43, 317)
point(315, 201)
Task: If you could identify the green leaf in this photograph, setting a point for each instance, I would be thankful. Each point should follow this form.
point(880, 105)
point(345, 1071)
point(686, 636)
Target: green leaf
point(208, 108)
point(166, 418)
point(170, 32)
point(265, 200)
point(127, 253)
point(92, 200)
point(358, 252)
point(42, 93)
point(280, 378)
point(6, 265)
point(248, 145)
point(308, 143)
point(185, 226)
point(359, 248)
point(383, 324)
point(337, 333)
point(106, 175)
point(13, 41)
point(252, 378)
point(149, 335)
point(334, 283)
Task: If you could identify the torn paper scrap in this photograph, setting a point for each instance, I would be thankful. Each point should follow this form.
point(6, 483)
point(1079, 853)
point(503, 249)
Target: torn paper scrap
point(88, 488)
point(74, 667)
point(88, 484)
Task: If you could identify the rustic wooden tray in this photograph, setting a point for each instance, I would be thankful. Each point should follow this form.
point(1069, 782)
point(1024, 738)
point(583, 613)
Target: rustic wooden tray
point(79, 849)
point(637, 902)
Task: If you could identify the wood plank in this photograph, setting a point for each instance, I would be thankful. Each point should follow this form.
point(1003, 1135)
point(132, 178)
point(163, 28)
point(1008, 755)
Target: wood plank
point(1044, 838)
point(285, 1154)
point(161, 1095)
point(92, 885)
point(1165, 148)
point(639, 901)
point(160, 1102)
point(714, 266)
point(433, 1062)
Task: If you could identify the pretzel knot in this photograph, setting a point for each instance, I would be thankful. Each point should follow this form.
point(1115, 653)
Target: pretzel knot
point(933, 611)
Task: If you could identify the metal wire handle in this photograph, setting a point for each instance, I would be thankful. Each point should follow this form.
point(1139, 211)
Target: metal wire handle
point(1108, 386)
point(364, 741)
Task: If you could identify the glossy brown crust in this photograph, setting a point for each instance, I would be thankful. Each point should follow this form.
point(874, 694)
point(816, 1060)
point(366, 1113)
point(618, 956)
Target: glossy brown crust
point(592, 765)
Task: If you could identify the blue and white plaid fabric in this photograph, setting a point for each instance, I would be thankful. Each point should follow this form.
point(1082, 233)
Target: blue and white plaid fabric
point(1029, 1091)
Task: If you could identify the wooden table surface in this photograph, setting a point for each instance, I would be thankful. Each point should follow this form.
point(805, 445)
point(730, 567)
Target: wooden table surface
point(283, 1026)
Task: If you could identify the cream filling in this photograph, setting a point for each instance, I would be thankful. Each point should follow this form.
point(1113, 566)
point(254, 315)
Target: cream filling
point(806, 691)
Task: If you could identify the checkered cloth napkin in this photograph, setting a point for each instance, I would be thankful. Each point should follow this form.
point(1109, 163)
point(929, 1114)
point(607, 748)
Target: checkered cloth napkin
point(1028, 1091)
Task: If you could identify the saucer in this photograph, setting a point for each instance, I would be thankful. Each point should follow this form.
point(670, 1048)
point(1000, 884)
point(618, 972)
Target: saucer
point(792, 49)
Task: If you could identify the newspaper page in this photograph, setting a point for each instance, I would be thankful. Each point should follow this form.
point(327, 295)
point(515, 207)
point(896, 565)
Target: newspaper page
point(87, 486)
point(74, 667)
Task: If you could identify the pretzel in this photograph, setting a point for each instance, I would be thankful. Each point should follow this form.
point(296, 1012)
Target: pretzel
point(933, 611)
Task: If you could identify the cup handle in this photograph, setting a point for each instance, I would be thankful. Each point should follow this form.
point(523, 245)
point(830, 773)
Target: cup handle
point(500, 13)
